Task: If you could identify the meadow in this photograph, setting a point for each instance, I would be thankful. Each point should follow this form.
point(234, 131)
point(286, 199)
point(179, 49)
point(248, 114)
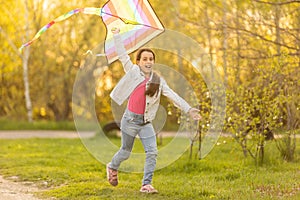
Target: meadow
point(64, 169)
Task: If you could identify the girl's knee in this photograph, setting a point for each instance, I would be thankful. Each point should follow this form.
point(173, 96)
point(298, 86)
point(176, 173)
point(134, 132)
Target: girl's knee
point(125, 154)
point(152, 152)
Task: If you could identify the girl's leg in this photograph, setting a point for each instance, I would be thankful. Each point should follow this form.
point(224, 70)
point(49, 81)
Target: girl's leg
point(148, 138)
point(124, 152)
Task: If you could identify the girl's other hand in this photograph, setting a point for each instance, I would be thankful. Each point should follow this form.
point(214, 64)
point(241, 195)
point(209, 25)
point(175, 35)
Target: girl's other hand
point(115, 30)
point(194, 114)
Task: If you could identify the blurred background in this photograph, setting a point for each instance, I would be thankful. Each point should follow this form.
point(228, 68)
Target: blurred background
point(254, 45)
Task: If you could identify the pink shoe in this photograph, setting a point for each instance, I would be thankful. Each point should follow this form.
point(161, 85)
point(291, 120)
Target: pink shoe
point(148, 189)
point(112, 176)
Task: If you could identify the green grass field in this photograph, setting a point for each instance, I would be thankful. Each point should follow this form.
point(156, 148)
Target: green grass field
point(68, 171)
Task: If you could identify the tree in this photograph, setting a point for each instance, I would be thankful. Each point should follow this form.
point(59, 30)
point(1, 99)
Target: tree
point(252, 39)
point(24, 57)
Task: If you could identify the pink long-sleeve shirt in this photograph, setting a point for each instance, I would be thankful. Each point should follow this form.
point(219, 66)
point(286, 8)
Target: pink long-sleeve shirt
point(137, 99)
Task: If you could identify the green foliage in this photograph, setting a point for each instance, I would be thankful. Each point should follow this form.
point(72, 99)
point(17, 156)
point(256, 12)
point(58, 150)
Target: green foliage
point(267, 103)
point(65, 170)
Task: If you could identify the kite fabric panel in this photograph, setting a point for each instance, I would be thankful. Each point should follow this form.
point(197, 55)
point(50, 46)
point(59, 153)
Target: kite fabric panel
point(135, 18)
point(137, 22)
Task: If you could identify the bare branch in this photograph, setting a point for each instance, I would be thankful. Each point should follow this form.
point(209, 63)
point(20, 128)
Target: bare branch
point(13, 46)
point(262, 37)
point(278, 3)
point(240, 29)
point(246, 56)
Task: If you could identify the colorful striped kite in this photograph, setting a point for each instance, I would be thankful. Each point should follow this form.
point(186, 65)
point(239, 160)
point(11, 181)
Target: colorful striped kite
point(135, 18)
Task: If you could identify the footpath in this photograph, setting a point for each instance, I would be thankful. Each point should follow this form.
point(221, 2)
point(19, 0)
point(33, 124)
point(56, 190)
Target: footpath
point(11, 189)
point(23, 134)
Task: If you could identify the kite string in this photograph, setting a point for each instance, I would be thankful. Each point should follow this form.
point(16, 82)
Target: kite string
point(91, 53)
point(88, 10)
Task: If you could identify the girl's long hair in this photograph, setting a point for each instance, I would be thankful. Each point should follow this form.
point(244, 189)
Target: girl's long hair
point(155, 81)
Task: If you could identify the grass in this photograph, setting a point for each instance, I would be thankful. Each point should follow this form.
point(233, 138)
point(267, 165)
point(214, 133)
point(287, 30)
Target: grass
point(68, 171)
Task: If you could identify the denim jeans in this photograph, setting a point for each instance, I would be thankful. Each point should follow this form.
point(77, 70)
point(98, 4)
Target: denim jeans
point(132, 125)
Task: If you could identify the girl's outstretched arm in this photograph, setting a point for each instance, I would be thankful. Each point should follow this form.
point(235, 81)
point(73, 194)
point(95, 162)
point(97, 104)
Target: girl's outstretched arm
point(180, 102)
point(121, 51)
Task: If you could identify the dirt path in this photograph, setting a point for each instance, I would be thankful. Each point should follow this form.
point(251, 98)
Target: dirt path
point(10, 189)
point(42, 134)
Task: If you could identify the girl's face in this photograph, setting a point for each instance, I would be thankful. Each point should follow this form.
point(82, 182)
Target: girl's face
point(146, 62)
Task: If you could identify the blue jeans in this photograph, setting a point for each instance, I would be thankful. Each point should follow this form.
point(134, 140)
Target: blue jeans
point(131, 125)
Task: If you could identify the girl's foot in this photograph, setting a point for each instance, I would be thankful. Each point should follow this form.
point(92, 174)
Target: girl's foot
point(148, 189)
point(112, 175)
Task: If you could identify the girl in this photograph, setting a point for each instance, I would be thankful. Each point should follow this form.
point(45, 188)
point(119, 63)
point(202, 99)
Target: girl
point(143, 88)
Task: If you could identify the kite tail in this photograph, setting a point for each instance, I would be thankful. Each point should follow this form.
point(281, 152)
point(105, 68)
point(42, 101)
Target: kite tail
point(90, 10)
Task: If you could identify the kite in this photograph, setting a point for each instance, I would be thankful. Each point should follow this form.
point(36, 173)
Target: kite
point(135, 18)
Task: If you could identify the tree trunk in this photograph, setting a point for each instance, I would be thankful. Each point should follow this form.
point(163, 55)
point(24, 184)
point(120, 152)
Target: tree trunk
point(298, 36)
point(244, 147)
point(25, 59)
point(261, 154)
point(224, 44)
point(191, 149)
point(238, 37)
point(210, 48)
point(26, 84)
point(277, 25)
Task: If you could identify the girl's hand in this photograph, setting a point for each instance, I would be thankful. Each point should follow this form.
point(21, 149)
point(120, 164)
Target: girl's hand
point(115, 30)
point(194, 114)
